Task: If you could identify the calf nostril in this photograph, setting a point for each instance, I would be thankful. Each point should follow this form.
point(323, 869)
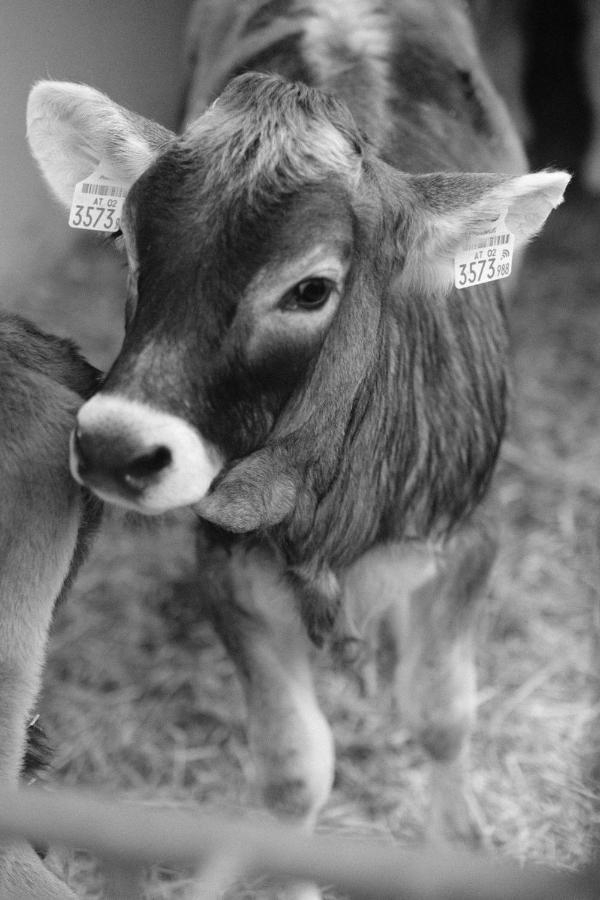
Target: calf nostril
point(147, 464)
point(117, 459)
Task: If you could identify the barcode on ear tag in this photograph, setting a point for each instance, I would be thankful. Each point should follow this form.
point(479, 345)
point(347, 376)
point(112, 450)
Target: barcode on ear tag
point(489, 257)
point(97, 204)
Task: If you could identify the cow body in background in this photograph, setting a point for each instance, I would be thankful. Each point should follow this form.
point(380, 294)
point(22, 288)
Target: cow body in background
point(45, 523)
point(503, 37)
point(297, 365)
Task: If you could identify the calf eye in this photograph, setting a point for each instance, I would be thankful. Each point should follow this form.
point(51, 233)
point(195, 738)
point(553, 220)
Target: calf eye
point(311, 294)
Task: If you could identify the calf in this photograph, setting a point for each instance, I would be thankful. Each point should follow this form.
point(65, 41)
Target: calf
point(45, 524)
point(297, 365)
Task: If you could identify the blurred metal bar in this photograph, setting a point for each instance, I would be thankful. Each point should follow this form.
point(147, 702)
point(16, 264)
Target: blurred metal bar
point(131, 835)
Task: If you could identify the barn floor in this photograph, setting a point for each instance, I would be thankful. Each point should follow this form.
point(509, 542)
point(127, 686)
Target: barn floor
point(140, 700)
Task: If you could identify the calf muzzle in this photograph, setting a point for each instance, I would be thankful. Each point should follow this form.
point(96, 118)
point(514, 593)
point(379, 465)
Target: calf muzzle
point(140, 457)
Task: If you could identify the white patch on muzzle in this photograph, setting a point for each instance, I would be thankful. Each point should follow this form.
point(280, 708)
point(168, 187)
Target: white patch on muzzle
point(185, 480)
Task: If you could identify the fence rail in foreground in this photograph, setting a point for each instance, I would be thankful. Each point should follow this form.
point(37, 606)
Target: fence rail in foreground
point(129, 836)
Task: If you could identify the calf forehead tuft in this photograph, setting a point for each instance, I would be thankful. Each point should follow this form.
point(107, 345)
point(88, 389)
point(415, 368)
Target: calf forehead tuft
point(264, 132)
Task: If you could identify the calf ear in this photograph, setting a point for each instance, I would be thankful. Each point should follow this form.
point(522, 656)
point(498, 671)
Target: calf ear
point(73, 129)
point(257, 492)
point(448, 212)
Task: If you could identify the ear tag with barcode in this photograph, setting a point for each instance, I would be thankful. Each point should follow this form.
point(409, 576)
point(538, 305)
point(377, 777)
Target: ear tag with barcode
point(97, 203)
point(487, 257)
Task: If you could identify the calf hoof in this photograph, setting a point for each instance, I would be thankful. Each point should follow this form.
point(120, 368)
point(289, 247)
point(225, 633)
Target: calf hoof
point(456, 824)
point(290, 798)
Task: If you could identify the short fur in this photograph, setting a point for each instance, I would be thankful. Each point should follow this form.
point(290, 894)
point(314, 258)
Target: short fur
point(46, 523)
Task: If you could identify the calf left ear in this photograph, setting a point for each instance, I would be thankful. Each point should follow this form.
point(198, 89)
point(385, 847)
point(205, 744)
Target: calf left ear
point(257, 492)
point(73, 130)
point(446, 213)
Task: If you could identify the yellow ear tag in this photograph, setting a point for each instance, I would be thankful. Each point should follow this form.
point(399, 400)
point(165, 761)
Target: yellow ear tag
point(488, 257)
point(97, 203)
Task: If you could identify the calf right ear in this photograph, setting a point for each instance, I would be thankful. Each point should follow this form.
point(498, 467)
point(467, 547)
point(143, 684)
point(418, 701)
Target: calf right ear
point(451, 211)
point(73, 129)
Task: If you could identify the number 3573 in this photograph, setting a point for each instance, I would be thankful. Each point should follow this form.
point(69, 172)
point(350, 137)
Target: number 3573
point(93, 217)
point(476, 271)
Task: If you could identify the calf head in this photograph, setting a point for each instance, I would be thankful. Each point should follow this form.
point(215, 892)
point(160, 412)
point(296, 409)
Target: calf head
point(284, 287)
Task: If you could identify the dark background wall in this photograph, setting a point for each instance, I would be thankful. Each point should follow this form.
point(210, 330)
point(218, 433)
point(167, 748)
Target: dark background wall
point(553, 84)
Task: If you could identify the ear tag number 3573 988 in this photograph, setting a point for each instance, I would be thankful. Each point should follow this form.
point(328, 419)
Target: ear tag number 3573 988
point(488, 257)
point(97, 204)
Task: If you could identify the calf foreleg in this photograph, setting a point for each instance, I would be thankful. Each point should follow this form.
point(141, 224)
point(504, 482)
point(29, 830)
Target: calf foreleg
point(39, 521)
point(290, 739)
point(436, 685)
